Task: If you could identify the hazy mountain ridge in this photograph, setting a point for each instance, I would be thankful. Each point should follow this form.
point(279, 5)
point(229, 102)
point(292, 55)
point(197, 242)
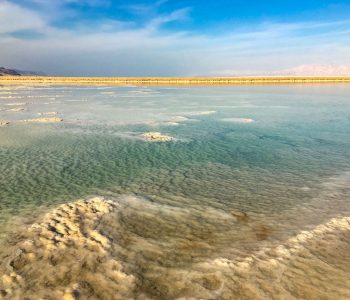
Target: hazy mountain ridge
point(14, 72)
point(301, 70)
point(6, 72)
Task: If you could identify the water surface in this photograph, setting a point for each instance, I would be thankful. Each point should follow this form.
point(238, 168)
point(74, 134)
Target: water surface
point(251, 200)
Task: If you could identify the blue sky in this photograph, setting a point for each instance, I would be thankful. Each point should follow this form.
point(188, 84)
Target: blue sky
point(175, 38)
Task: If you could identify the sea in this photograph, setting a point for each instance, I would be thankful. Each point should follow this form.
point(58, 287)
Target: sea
point(249, 199)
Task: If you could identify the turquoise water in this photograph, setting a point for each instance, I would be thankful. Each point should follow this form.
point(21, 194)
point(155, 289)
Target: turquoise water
point(278, 154)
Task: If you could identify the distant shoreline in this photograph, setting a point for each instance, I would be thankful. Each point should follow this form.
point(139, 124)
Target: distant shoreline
point(172, 80)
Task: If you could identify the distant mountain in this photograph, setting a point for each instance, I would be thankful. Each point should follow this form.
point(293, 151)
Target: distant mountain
point(10, 72)
point(317, 70)
point(7, 72)
point(30, 73)
point(303, 70)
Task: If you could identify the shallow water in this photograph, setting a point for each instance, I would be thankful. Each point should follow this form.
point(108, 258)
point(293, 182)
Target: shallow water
point(250, 201)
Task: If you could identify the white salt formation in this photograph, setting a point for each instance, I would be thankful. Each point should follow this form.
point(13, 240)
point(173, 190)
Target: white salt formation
point(15, 109)
point(157, 137)
point(45, 120)
point(49, 113)
point(135, 249)
point(238, 120)
point(4, 123)
point(65, 256)
point(200, 113)
point(17, 103)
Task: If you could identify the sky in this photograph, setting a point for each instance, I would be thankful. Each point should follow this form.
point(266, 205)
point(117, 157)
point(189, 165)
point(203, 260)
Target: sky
point(176, 38)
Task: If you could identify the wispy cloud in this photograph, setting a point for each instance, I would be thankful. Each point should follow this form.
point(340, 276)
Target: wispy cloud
point(177, 15)
point(144, 9)
point(58, 3)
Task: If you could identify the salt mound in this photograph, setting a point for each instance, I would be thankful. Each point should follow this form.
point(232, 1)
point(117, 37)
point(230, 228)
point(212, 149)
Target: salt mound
point(45, 120)
point(201, 113)
point(50, 113)
point(7, 97)
point(3, 123)
point(157, 137)
point(15, 109)
point(17, 103)
point(179, 119)
point(65, 257)
point(107, 93)
point(238, 120)
point(172, 123)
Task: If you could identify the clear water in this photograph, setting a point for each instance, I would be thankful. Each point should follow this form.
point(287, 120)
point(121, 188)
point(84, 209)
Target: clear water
point(226, 193)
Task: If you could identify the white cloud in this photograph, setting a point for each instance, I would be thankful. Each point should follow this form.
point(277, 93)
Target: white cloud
point(78, 2)
point(14, 17)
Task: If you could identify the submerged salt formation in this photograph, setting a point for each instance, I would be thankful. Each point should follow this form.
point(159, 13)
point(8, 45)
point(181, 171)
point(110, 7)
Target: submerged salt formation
point(4, 123)
point(17, 103)
point(304, 267)
point(240, 215)
point(8, 97)
point(238, 120)
point(45, 120)
point(131, 248)
point(15, 109)
point(201, 113)
point(157, 137)
point(50, 113)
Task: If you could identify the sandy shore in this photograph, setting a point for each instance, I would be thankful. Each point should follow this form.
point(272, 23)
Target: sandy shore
point(168, 80)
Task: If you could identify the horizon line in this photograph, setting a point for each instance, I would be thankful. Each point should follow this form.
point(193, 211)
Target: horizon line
point(23, 79)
